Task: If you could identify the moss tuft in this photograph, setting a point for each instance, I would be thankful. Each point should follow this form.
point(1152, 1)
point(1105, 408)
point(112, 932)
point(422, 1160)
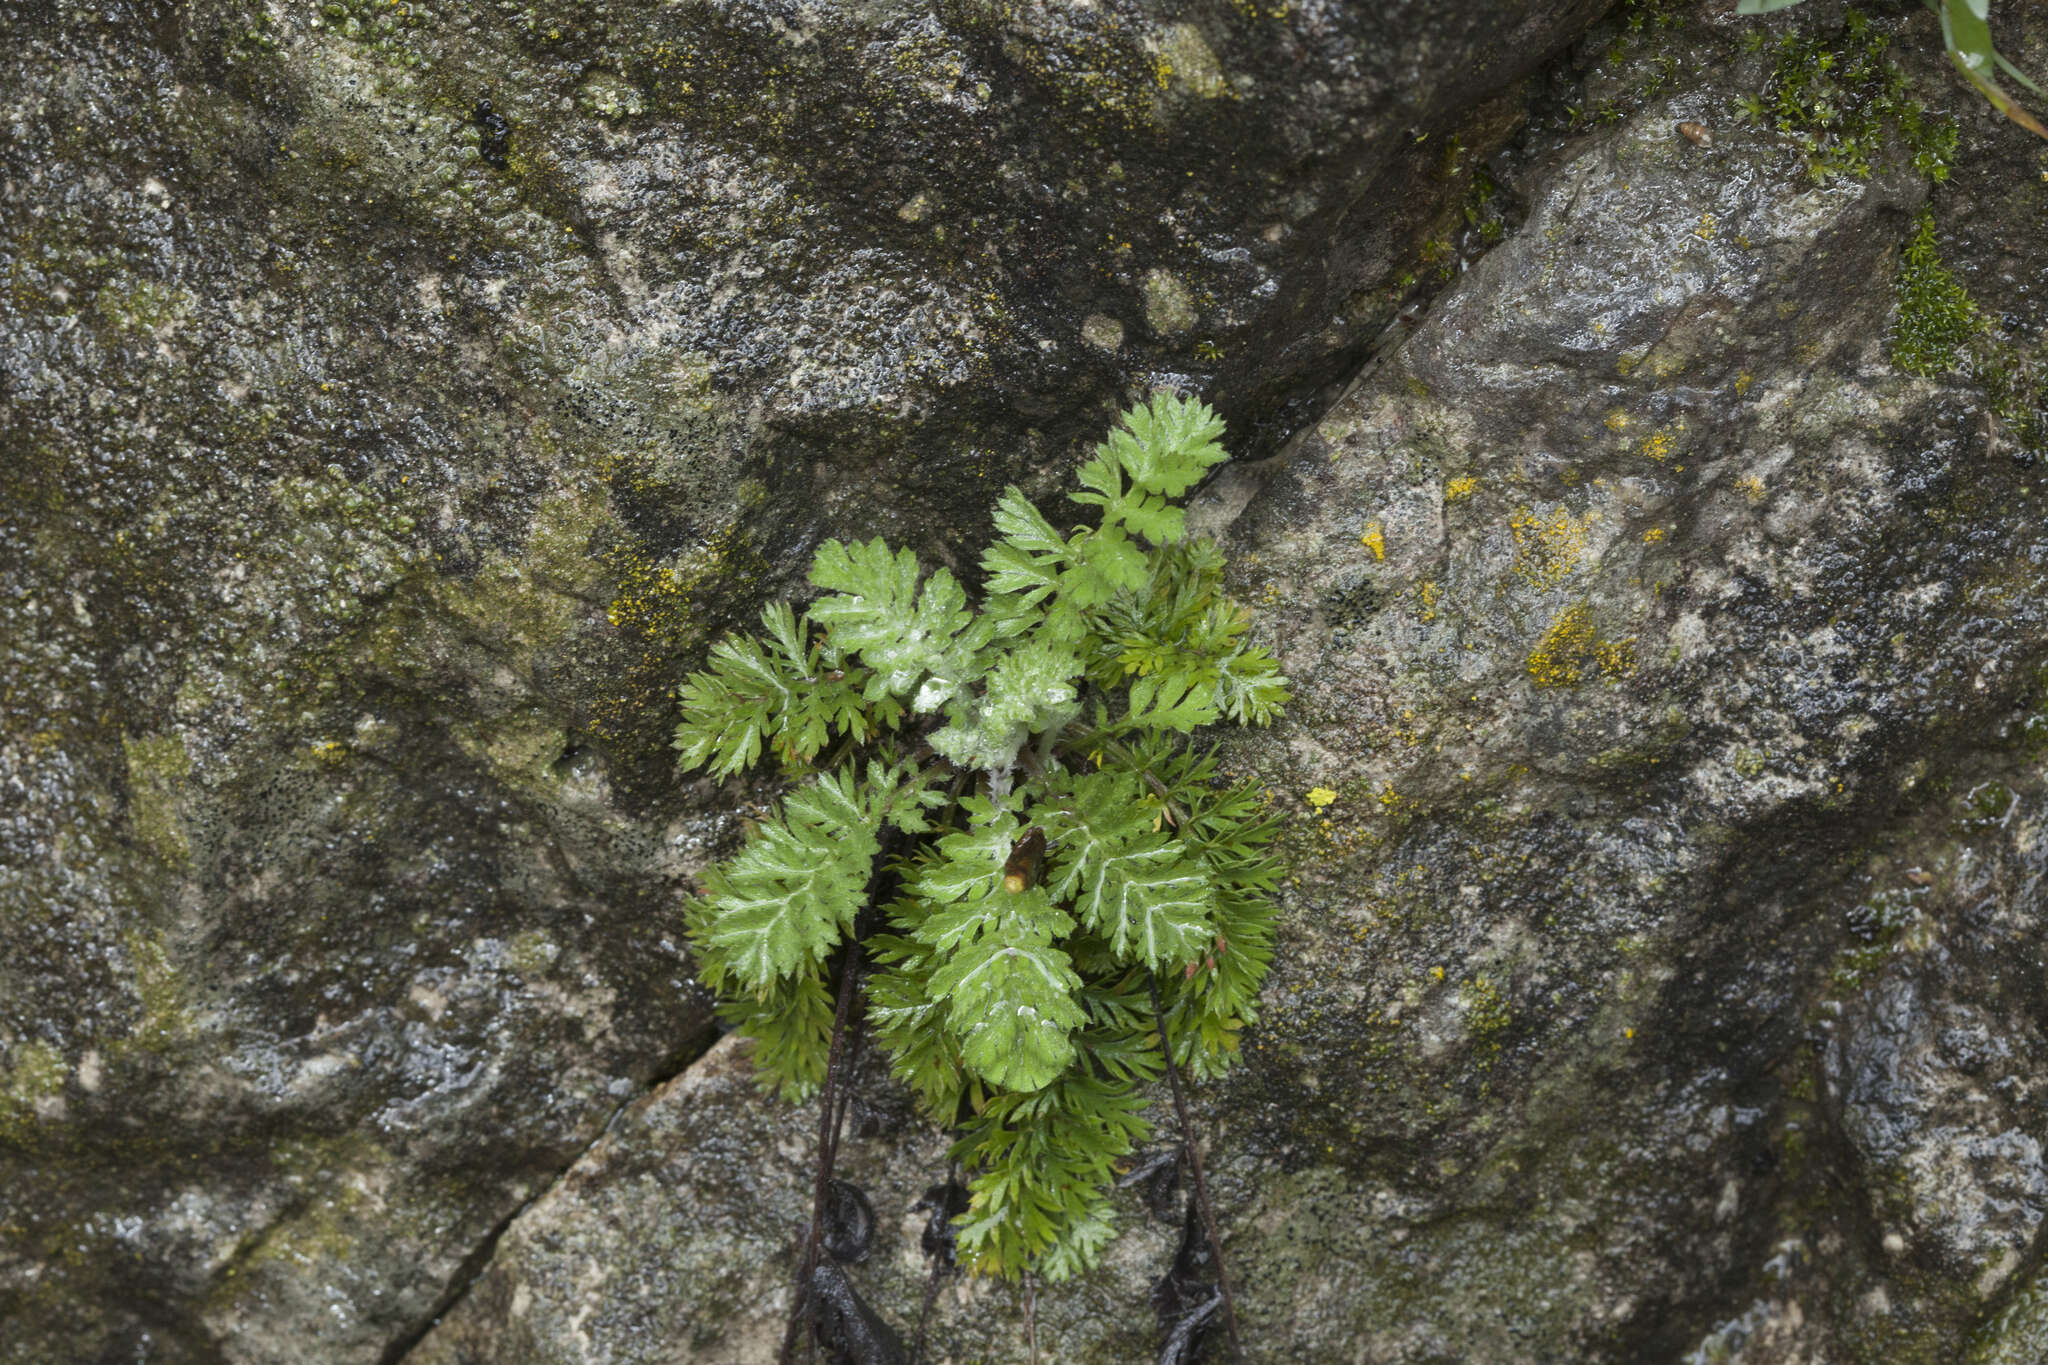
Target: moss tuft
point(157, 768)
point(1843, 103)
point(1937, 317)
point(1940, 330)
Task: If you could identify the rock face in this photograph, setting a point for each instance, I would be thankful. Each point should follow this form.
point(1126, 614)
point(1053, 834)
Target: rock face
point(397, 399)
point(1666, 981)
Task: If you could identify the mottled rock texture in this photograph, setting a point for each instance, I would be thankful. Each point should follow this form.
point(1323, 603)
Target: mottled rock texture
point(375, 457)
point(1666, 982)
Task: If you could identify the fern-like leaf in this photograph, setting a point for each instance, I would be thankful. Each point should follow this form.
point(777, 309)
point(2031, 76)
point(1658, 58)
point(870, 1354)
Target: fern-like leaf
point(793, 891)
point(728, 709)
point(909, 1021)
point(1030, 689)
point(1162, 448)
point(1010, 999)
point(1047, 910)
point(1029, 556)
point(1041, 1162)
point(1131, 883)
point(874, 609)
point(791, 1025)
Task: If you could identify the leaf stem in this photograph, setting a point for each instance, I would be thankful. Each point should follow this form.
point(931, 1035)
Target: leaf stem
point(830, 1114)
point(1174, 814)
point(1187, 1138)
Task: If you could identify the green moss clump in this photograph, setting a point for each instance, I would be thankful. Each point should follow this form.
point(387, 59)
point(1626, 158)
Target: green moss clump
point(1941, 330)
point(384, 26)
point(1842, 103)
point(531, 953)
point(2017, 1333)
point(157, 768)
point(1937, 317)
point(163, 1020)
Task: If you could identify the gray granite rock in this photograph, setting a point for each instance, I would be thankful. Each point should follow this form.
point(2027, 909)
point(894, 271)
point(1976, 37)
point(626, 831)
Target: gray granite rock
point(1664, 980)
point(399, 397)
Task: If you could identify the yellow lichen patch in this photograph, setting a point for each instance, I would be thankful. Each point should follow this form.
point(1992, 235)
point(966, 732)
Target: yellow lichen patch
point(1658, 446)
point(1184, 55)
point(1706, 228)
point(1428, 592)
point(1616, 658)
point(159, 989)
point(1571, 648)
point(157, 768)
point(1615, 419)
point(1653, 535)
point(1752, 488)
point(1743, 382)
point(1560, 656)
point(1375, 539)
point(1320, 797)
point(1548, 547)
point(1487, 1015)
point(1460, 488)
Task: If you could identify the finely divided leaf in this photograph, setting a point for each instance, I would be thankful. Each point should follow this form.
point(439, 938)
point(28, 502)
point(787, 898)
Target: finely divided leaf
point(899, 794)
point(1009, 992)
point(1169, 443)
point(1162, 448)
point(791, 893)
point(1136, 886)
point(1250, 686)
point(1088, 817)
point(909, 1021)
point(1029, 556)
point(791, 1025)
point(1013, 989)
point(874, 609)
point(1106, 563)
point(970, 862)
point(1030, 690)
point(770, 690)
point(1152, 903)
point(1010, 1000)
point(1175, 701)
point(727, 711)
point(1040, 1162)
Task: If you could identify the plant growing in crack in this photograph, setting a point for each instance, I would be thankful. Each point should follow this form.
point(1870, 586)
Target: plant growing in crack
point(1003, 861)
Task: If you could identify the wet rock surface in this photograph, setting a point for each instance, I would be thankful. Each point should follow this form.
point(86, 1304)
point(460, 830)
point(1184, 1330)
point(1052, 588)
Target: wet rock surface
point(1664, 982)
point(677, 1238)
point(398, 400)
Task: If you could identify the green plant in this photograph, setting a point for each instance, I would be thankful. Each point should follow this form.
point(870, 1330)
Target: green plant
point(1843, 104)
point(1001, 833)
point(1941, 330)
point(1966, 34)
point(1937, 318)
